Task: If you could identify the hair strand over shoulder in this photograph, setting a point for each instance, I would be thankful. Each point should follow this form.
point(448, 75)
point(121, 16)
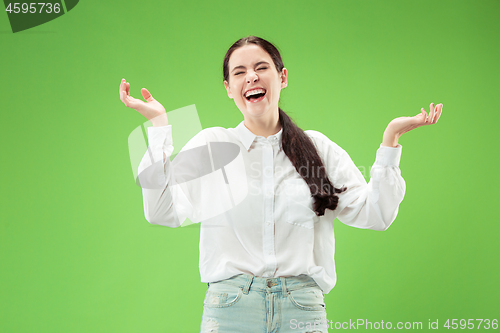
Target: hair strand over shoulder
point(296, 144)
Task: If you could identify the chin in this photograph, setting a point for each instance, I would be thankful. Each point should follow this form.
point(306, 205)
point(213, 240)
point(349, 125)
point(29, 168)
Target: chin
point(256, 113)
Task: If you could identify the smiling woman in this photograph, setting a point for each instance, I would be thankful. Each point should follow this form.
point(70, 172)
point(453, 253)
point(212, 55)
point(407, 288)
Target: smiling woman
point(267, 254)
point(253, 65)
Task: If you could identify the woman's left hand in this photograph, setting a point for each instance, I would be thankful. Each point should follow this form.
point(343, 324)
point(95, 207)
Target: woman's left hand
point(401, 125)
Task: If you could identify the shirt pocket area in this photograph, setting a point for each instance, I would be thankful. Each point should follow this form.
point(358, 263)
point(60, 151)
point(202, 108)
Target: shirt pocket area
point(299, 204)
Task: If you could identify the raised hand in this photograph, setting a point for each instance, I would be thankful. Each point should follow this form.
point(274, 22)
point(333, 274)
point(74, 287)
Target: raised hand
point(152, 109)
point(401, 125)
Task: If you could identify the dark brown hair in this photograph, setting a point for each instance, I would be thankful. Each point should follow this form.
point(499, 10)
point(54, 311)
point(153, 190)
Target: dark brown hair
point(296, 144)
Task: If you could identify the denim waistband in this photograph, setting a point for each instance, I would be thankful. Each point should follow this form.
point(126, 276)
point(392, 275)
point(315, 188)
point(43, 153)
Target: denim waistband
point(278, 284)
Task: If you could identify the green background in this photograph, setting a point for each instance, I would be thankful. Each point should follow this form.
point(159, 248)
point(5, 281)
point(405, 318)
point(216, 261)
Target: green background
point(77, 254)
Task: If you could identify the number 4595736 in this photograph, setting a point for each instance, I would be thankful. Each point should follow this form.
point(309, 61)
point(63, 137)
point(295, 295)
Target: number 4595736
point(470, 324)
point(24, 7)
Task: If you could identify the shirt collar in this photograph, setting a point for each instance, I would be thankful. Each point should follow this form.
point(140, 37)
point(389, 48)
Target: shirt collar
point(247, 137)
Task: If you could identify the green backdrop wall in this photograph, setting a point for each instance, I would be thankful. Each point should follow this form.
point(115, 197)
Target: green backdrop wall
point(77, 254)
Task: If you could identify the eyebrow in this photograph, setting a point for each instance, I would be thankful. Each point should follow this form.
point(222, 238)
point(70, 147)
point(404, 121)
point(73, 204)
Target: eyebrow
point(257, 64)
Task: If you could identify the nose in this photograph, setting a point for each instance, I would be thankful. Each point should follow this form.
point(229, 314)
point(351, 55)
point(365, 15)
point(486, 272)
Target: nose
point(252, 77)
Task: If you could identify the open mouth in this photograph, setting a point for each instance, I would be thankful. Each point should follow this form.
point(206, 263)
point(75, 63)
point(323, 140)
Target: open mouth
point(254, 98)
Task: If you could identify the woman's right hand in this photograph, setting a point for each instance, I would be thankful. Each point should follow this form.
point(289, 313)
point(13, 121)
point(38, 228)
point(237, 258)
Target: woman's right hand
point(152, 110)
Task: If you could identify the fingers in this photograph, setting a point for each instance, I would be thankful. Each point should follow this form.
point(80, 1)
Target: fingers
point(124, 86)
point(431, 114)
point(437, 114)
point(131, 102)
point(122, 91)
point(434, 114)
point(424, 113)
point(125, 97)
point(147, 96)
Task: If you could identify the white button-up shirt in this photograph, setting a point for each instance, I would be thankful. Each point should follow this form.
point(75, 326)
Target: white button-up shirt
point(256, 211)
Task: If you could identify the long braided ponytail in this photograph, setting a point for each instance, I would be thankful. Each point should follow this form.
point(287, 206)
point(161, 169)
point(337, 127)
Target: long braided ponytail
point(296, 144)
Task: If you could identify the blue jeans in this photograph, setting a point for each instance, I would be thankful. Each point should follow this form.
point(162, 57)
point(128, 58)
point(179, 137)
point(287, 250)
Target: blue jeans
point(244, 303)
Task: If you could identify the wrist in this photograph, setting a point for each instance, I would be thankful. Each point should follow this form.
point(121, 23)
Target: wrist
point(160, 120)
point(390, 138)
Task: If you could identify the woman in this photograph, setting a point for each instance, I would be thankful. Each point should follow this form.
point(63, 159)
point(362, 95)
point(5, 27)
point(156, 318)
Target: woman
point(266, 241)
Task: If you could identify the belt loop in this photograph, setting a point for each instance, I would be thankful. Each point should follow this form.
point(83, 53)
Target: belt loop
point(248, 284)
point(283, 286)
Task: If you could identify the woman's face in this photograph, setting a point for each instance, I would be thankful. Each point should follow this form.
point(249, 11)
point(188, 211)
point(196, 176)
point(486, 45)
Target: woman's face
point(251, 67)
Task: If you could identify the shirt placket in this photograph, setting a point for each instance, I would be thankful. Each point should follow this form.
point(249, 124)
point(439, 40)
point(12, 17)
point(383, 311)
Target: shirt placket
point(268, 192)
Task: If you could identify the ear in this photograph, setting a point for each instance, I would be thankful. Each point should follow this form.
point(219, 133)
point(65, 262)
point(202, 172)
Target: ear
point(229, 94)
point(284, 79)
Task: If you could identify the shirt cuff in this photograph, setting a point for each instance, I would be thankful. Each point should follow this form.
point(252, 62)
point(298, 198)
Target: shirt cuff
point(161, 137)
point(389, 156)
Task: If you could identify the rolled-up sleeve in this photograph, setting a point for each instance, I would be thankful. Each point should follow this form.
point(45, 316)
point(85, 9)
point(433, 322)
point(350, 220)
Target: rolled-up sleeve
point(164, 204)
point(373, 205)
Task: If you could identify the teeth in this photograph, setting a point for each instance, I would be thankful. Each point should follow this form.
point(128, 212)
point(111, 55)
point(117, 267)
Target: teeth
point(254, 92)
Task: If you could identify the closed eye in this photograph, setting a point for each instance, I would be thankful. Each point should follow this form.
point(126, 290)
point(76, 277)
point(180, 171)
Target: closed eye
point(238, 73)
